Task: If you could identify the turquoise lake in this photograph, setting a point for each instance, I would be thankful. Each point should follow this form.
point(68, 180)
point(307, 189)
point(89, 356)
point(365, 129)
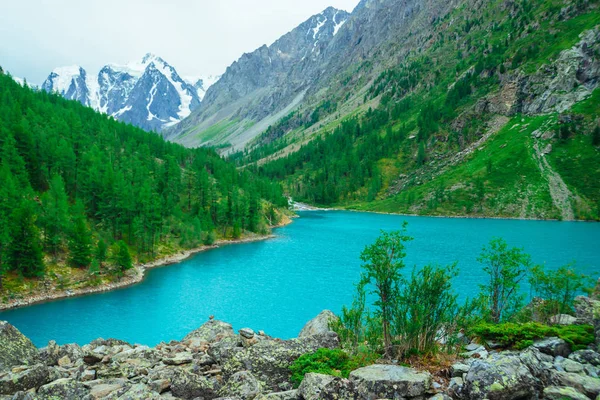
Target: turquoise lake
point(278, 284)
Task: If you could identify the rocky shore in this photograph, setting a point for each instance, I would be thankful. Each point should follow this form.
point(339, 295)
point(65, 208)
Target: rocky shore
point(213, 362)
point(131, 277)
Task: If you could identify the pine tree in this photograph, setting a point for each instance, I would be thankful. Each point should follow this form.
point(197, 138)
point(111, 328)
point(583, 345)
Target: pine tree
point(55, 215)
point(421, 154)
point(101, 251)
point(80, 239)
point(25, 250)
point(123, 257)
point(596, 136)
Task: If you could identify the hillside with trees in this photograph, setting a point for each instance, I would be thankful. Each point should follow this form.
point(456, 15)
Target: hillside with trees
point(84, 195)
point(490, 111)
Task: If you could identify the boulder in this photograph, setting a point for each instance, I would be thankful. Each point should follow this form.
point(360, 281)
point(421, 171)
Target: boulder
point(289, 395)
point(225, 349)
point(563, 393)
point(33, 377)
point(389, 381)
point(583, 384)
point(63, 389)
point(179, 359)
point(15, 348)
point(584, 309)
point(317, 386)
point(242, 385)
point(247, 333)
point(500, 377)
point(138, 392)
point(553, 346)
point(586, 357)
point(212, 331)
point(188, 385)
point(563, 319)
point(102, 389)
point(458, 370)
point(269, 360)
point(318, 325)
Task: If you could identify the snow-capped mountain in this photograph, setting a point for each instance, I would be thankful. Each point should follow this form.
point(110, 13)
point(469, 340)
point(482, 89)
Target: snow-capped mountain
point(148, 93)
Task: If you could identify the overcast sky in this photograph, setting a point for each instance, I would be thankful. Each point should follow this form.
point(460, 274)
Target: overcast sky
point(197, 37)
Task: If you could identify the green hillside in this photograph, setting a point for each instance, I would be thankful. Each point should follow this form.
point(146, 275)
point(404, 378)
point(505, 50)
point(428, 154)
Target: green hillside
point(494, 115)
point(82, 193)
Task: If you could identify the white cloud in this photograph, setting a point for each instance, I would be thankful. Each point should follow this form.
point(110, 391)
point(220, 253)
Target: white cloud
point(199, 37)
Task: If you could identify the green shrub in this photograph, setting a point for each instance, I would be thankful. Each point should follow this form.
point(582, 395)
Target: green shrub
point(520, 336)
point(330, 362)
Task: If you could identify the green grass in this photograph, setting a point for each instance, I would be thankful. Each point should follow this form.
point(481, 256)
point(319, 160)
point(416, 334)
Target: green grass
point(216, 131)
point(520, 336)
point(334, 362)
point(514, 187)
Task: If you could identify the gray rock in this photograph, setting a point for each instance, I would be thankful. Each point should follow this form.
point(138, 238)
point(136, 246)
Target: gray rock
point(389, 381)
point(316, 386)
point(247, 333)
point(584, 384)
point(32, 377)
point(269, 360)
point(160, 385)
point(63, 389)
point(136, 392)
point(584, 309)
point(553, 346)
point(289, 395)
point(586, 357)
point(503, 377)
point(457, 370)
point(88, 375)
point(179, 359)
point(242, 385)
point(571, 366)
point(563, 319)
point(212, 331)
point(15, 348)
point(563, 393)
point(188, 385)
point(102, 389)
point(319, 324)
point(225, 349)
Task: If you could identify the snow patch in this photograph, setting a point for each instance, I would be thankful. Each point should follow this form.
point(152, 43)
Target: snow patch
point(317, 28)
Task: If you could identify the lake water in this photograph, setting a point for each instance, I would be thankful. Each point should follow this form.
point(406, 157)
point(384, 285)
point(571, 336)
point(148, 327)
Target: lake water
point(279, 284)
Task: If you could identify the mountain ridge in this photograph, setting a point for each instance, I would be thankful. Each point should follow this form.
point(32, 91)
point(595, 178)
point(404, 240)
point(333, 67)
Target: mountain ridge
point(148, 93)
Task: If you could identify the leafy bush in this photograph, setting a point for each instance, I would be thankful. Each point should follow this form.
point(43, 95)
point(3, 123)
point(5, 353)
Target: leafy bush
point(425, 307)
point(521, 336)
point(558, 289)
point(330, 362)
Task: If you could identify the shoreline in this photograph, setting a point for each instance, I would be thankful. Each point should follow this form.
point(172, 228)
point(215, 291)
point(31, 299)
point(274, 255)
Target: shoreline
point(446, 216)
point(134, 276)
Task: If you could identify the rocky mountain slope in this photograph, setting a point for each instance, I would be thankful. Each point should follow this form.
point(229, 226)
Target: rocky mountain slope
point(261, 87)
point(447, 108)
point(148, 93)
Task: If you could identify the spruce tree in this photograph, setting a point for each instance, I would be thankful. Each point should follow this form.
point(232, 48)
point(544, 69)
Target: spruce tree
point(25, 250)
point(123, 257)
point(80, 240)
point(55, 215)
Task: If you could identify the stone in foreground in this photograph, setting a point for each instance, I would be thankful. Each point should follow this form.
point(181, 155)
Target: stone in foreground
point(389, 382)
point(500, 378)
point(15, 348)
point(318, 325)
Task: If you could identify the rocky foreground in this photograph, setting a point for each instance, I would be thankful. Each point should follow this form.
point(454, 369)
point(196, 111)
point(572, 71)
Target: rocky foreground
point(213, 362)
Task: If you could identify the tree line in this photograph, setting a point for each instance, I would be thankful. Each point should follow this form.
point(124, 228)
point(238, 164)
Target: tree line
point(79, 185)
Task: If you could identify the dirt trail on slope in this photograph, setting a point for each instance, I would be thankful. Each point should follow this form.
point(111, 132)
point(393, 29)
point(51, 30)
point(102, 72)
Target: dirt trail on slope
point(560, 193)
